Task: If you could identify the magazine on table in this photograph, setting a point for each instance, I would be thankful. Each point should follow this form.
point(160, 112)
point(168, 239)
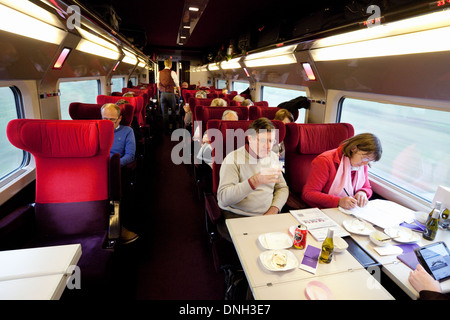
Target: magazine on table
point(318, 223)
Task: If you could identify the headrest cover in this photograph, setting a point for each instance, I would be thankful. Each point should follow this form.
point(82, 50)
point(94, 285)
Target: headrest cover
point(61, 138)
point(318, 138)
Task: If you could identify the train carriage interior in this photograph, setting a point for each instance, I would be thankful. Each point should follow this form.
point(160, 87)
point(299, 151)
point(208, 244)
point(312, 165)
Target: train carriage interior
point(369, 66)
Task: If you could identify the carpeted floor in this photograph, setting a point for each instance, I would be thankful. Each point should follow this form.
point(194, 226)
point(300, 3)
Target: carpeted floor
point(172, 259)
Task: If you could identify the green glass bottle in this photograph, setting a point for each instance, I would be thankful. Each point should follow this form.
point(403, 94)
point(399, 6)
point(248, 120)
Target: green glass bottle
point(432, 226)
point(327, 248)
point(444, 221)
point(437, 207)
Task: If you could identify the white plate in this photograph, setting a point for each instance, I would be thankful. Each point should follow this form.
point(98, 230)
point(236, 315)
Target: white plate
point(275, 240)
point(404, 235)
point(316, 290)
point(266, 259)
point(358, 227)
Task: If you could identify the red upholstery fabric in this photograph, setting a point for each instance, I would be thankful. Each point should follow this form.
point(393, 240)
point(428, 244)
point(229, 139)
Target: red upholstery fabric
point(206, 113)
point(141, 92)
point(235, 130)
point(304, 142)
point(256, 112)
point(137, 102)
point(92, 111)
point(261, 103)
point(194, 103)
point(72, 157)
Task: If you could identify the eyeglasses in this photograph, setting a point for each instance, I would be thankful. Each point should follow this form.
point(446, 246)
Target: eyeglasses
point(111, 119)
point(365, 157)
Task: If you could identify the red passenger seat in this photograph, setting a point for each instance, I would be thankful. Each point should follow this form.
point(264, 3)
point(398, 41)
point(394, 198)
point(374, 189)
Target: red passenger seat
point(236, 130)
point(256, 112)
point(303, 143)
point(92, 111)
point(73, 170)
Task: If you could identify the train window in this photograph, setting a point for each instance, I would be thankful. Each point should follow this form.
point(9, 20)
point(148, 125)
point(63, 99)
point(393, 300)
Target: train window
point(416, 143)
point(240, 86)
point(117, 84)
point(221, 84)
point(85, 91)
point(274, 96)
point(133, 81)
point(11, 158)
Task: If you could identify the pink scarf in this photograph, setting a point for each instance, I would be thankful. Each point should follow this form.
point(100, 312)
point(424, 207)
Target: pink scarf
point(343, 179)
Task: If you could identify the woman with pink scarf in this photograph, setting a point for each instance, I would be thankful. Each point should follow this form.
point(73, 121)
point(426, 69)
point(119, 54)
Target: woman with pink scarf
point(339, 177)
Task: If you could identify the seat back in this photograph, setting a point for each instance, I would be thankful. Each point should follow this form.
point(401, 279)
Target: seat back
point(72, 170)
point(137, 102)
point(92, 111)
point(258, 111)
point(233, 135)
point(206, 113)
point(304, 142)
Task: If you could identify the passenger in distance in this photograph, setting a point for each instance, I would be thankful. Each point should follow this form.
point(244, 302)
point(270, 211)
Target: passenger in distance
point(284, 116)
point(218, 102)
point(124, 140)
point(343, 170)
point(124, 144)
point(246, 187)
point(205, 152)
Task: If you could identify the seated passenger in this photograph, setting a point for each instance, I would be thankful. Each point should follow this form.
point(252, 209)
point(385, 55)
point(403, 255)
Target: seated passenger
point(251, 183)
point(218, 102)
point(286, 117)
point(238, 98)
point(128, 94)
point(124, 140)
point(339, 177)
point(247, 103)
point(202, 94)
point(205, 152)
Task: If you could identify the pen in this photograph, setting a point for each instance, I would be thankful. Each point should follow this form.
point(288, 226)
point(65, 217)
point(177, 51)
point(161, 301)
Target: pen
point(346, 193)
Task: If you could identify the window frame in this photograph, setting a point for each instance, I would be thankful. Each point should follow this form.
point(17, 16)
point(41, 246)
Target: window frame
point(20, 111)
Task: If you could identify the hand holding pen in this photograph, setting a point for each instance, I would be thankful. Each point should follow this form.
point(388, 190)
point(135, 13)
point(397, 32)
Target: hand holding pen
point(348, 202)
point(359, 199)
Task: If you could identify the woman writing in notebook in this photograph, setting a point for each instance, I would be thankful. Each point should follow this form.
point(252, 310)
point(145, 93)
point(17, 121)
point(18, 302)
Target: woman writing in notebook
point(339, 177)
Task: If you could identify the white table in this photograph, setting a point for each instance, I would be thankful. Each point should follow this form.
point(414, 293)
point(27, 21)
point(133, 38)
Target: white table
point(391, 266)
point(267, 284)
point(37, 273)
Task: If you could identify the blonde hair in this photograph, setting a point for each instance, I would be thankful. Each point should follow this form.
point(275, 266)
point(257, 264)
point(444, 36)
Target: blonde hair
point(238, 98)
point(218, 102)
point(168, 63)
point(282, 114)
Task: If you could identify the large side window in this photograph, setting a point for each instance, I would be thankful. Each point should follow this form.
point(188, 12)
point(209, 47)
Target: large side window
point(221, 84)
point(240, 86)
point(117, 84)
point(415, 141)
point(274, 96)
point(85, 91)
point(11, 158)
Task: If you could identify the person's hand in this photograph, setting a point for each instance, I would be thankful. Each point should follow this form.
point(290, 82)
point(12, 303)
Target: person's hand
point(420, 279)
point(347, 203)
point(265, 177)
point(272, 210)
point(361, 198)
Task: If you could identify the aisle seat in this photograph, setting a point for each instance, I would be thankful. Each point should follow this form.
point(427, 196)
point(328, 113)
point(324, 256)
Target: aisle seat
point(213, 214)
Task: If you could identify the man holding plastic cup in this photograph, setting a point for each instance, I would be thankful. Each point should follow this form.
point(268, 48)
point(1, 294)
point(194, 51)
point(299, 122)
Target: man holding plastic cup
point(251, 182)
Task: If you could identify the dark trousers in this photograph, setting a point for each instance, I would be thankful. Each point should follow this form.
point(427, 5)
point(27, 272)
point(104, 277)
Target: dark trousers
point(222, 227)
point(167, 101)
